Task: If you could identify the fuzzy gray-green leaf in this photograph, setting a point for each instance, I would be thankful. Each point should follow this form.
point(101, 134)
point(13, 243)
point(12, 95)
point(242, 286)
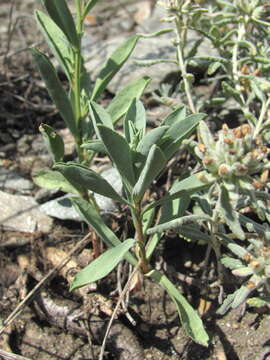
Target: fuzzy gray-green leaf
point(53, 180)
point(155, 162)
point(99, 116)
point(119, 151)
point(122, 100)
point(55, 89)
point(229, 215)
point(53, 141)
point(150, 138)
point(56, 40)
point(61, 15)
point(102, 266)
point(177, 132)
point(231, 263)
point(190, 320)
point(93, 218)
point(114, 64)
point(135, 115)
point(79, 175)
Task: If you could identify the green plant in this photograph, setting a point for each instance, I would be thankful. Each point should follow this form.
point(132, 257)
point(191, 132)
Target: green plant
point(235, 161)
point(139, 155)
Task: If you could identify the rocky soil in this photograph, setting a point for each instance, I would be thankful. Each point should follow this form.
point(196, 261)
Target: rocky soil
point(39, 227)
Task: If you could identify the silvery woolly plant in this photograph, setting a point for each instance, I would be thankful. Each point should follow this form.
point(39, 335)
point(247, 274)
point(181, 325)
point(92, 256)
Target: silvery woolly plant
point(234, 163)
point(140, 156)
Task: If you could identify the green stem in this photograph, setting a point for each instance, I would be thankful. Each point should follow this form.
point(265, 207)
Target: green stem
point(235, 71)
point(181, 38)
point(140, 246)
point(77, 79)
point(259, 125)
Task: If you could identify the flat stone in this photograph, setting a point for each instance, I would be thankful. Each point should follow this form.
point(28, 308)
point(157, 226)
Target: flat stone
point(106, 204)
point(22, 213)
point(10, 180)
point(61, 208)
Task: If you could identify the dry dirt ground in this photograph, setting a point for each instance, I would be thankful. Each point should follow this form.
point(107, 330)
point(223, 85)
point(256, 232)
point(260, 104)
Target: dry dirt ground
point(57, 324)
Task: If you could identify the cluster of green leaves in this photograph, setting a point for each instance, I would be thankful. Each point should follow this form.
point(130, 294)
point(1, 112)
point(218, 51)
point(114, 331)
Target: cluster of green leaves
point(222, 188)
point(235, 162)
point(140, 156)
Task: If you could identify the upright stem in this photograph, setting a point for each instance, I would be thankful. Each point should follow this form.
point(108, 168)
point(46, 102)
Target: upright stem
point(140, 249)
point(259, 125)
point(77, 77)
point(181, 38)
point(235, 72)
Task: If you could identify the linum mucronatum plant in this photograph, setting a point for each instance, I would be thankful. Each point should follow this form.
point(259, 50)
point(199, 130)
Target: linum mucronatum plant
point(234, 162)
point(140, 156)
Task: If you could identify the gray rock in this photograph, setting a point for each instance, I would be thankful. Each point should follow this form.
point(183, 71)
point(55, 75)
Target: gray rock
point(22, 213)
point(146, 49)
point(161, 47)
point(10, 180)
point(61, 208)
point(106, 204)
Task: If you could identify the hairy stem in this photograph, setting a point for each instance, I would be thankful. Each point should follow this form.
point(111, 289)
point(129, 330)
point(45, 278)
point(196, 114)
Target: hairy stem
point(181, 31)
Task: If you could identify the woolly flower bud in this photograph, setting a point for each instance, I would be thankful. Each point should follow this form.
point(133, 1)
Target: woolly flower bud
point(224, 170)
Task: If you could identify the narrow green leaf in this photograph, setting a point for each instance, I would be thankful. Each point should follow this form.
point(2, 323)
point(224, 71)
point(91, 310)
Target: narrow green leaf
point(190, 320)
point(177, 132)
point(189, 185)
point(114, 64)
point(135, 115)
point(119, 151)
point(243, 271)
point(56, 40)
point(186, 187)
point(61, 15)
point(175, 116)
point(192, 232)
point(213, 67)
point(88, 7)
point(259, 301)
point(152, 137)
point(227, 303)
point(157, 33)
point(55, 89)
point(79, 175)
point(171, 209)
point(231, 263)
point(242, 294)
point(229, 90)
point(155, 162)
point(177, 223)
point(206, 137)
point(93, 218)
point(238, 250)
point(99, 116)
point(94, 145)
point(102, 266)
point(122, 100)
point(53, 180)
point(229, 215)
point(53, 141)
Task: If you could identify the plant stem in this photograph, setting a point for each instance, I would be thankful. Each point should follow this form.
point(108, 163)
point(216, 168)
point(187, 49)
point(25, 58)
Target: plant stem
point(140, 246)
point(259, 124)
point(181, 38)
point(235, 72)
point(77, 79)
